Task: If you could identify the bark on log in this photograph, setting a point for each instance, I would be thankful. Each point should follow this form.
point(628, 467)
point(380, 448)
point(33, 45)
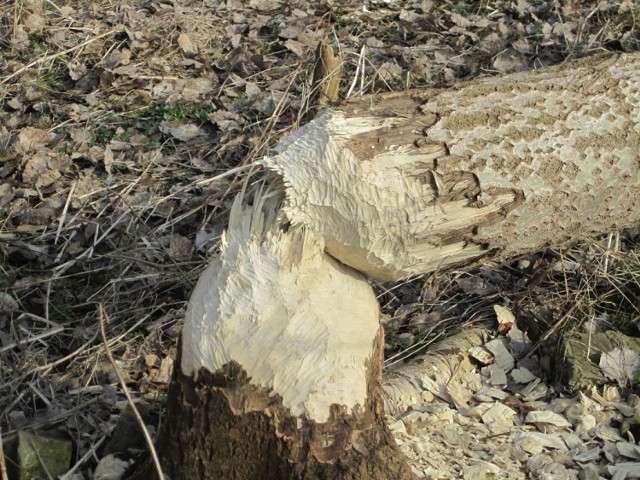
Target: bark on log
point(430, 374)
point(280, 375)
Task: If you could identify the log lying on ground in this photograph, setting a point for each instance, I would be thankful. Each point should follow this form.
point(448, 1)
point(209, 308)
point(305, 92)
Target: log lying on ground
point(408, 183)
point(281, 357)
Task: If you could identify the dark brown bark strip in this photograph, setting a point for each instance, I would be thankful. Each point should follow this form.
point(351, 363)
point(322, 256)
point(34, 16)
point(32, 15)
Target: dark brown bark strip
point(222, 427)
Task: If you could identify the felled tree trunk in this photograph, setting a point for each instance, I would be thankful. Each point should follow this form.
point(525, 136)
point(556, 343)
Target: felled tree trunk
point(403, 184)
point(281, 354)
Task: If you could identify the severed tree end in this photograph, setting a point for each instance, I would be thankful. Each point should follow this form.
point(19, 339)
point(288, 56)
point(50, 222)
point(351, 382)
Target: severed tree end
point(404, 184)
point(281, 364)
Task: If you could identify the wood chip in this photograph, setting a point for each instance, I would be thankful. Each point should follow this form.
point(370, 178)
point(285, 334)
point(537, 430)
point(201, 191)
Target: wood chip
point(506, 319)
point(621, 471)
point(481, 354)
point(522, 375)
point(499, 418)
point(502, 357)
point(518, 341)
point(629, 450)
point(495, 374)
point(535, 442)
point(588, 456)
point(547, 417)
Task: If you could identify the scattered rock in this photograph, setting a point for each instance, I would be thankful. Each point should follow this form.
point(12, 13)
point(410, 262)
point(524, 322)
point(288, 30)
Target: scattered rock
point(42, 456)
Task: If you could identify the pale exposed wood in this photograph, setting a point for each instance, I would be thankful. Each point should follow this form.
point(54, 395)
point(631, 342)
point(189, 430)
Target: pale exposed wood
point(281, 364)
point(428, 376)
point(298, 322)
point(405, 184)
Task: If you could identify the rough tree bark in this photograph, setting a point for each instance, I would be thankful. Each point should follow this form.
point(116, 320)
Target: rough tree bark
point(280, 375)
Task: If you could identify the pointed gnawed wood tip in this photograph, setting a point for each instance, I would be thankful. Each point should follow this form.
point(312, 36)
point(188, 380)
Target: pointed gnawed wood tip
point(297, 321)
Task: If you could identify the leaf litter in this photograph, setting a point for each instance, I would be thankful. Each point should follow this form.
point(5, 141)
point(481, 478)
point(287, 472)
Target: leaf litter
point(118, 121)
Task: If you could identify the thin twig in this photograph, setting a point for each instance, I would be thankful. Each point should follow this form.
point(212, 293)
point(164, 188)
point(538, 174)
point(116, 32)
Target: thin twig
point(40, 460)
point(63, 215)
point(360, 67)
point(53, 56)
point(35, 338)
point(259, 145)
point(552, 330)
point(58, 418)
point(228, 173)
point(147, 437)
point(85, 457)
point(15, 26)
point(54, 6)
point(3, 465)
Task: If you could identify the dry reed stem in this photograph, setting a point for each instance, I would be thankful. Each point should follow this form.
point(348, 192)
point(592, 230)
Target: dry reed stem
point(91, 452)
point(53, 56)
point(40, 460)
point(3, 465)
point(147, 437)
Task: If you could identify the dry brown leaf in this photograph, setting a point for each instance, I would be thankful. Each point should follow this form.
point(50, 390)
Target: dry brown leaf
point(80, 135)
point(299, 48)
point(43, 168)
point(621, 365)
point(186, 44)
point(265, 5)
point(108, 159)
point(163, 375)
point(30, 139)
point(15, 104)
point(196, 88)
point(509, 61)
point(180, 248)
point(38, 216)
point(7, 303)
point(373, 42)
point(34, 23)
point(117, 58)
point(6, 193)
point(226, 120)
point(182, 132)
point(20, 39)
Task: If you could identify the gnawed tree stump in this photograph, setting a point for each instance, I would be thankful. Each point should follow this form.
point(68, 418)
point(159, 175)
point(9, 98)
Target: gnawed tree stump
point(281, 364)
point(281, 356)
